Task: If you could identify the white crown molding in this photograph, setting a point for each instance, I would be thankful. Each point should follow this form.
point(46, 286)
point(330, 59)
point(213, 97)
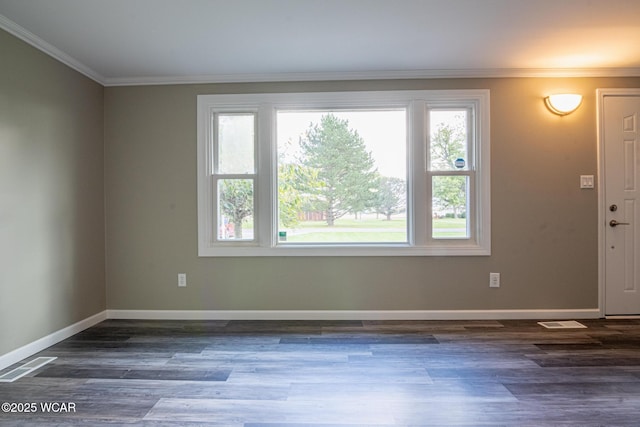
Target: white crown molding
point(30, 38)
point(35, 41)
point(376, 75)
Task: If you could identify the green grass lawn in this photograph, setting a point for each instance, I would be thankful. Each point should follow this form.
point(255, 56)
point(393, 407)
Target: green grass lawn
point(449, 223)
point(345, 230)
point(357, 223)
point(350, 237)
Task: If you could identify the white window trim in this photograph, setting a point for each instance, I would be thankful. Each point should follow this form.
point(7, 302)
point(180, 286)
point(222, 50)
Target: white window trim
point(418, 198)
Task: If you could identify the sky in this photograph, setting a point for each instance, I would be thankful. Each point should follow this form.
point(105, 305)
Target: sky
point(384, 134)
point(383, 131)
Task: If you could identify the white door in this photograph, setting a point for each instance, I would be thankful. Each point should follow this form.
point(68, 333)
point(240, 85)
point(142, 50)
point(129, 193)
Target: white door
point(622, 204)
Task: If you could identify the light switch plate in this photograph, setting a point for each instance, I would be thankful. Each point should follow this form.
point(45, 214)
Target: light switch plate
point(182, 280)
point(586, 181)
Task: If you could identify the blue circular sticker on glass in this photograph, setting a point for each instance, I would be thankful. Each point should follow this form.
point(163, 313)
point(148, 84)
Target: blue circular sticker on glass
point(459, 163)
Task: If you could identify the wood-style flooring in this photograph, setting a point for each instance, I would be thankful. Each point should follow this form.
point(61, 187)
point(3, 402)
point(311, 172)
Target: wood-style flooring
point(336, 374)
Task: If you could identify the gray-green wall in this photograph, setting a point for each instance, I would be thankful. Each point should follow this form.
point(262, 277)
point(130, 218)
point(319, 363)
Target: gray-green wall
point(52, 254)
point(71, 151)
point(544, 227)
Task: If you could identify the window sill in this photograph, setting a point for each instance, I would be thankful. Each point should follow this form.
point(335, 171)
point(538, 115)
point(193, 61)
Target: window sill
point(457, 249)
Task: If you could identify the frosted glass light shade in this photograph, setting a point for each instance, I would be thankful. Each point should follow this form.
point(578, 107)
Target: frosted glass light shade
point(564, 103)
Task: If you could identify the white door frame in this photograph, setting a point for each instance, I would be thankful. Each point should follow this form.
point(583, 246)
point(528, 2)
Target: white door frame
point(602, 213)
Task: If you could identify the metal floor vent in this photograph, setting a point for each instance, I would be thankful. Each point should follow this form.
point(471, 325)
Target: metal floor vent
point(567, 324)
point(25, 369)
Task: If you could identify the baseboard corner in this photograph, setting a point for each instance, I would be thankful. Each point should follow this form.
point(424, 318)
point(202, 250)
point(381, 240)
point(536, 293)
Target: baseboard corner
point(40, 344)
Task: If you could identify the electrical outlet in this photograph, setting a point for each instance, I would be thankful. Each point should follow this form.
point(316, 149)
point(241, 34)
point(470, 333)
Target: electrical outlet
point(182, 280)
point(494, 280)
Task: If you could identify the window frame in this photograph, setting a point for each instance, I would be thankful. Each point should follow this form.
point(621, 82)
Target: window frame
point(419, 197)
point(470, 171)
point(217, 176)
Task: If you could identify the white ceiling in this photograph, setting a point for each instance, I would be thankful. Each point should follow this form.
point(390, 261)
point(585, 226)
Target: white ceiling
point(173, 41)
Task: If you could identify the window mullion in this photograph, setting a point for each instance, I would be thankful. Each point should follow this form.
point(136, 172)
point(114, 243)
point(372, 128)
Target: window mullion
point(266, 201)
point(419, 205)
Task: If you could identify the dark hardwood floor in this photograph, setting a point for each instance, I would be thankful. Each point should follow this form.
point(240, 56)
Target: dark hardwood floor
point(334, 374)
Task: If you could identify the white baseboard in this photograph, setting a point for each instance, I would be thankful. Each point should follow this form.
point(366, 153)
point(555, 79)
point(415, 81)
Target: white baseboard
point(28, 350)
point(623, 317)
point(34, 347)
point(353, 314)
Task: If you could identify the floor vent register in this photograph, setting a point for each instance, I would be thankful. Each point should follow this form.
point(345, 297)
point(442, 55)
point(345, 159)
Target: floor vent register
point(25, 369)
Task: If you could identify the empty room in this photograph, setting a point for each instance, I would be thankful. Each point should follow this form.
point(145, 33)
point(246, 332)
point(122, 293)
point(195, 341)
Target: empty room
point(319, 213)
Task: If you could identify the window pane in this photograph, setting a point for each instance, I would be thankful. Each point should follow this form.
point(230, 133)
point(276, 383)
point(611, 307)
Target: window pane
point(448, 139)
point(342, 176)
point(450, 207)
point(235, 209)
point(236, 143)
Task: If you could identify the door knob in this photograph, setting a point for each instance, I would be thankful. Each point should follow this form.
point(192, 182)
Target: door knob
point(615, 223)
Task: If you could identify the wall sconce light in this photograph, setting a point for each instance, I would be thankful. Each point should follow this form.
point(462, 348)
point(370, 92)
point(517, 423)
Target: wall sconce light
point(563, 103)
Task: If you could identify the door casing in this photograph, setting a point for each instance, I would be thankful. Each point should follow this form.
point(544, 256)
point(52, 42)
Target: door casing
point(602, 213)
